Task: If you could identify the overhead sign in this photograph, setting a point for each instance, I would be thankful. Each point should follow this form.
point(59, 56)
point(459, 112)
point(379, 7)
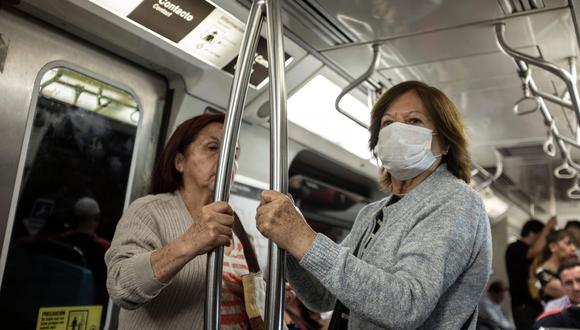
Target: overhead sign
point(197, 27)
point(260, 68)
point(216, 40)
point(171, 19)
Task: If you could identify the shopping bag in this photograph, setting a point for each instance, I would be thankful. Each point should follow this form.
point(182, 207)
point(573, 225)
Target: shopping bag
point(255, 299)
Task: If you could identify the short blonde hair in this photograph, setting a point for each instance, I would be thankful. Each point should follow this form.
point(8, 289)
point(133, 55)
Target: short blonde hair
point(448, 124)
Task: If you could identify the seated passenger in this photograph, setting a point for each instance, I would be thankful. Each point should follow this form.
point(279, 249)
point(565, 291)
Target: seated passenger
point(491, 316)
point(157, 260)
point(419, 258)
point(560, 245)
point(568, 316)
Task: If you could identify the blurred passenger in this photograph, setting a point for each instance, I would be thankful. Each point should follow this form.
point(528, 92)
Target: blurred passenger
point(568, 316)
point(563, 301)
point(299, 317)
point(419, 258)
point(491, 316)
point(561, 245)
point(86, 221)
point(573, 226)
point(157, 260)
point(518, 258)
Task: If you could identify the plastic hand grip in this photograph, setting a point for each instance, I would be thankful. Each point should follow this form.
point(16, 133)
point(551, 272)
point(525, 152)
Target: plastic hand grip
point(549, 147)
point(565, 171)
point(525, 105)
point(574, 191)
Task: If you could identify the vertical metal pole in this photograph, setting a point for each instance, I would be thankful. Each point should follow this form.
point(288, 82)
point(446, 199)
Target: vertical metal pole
point(278, 158)
point(574, 21)
point(572, 64)
point(227, 152)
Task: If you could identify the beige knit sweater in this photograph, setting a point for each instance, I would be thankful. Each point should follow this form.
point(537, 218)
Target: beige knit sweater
point(148, 224)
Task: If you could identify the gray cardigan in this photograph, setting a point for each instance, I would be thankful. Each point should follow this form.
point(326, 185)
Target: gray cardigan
point(425, 269)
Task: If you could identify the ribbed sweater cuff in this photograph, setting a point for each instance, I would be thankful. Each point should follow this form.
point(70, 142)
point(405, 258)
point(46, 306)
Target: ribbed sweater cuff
point(145, 276)
point(321, 256)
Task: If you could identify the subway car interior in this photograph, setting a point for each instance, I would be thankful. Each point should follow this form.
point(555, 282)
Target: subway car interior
point(90, 91)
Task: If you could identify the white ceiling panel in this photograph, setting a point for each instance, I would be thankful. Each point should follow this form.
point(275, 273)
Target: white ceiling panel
point(463, 42)
point(371, 19)
point(457, 71)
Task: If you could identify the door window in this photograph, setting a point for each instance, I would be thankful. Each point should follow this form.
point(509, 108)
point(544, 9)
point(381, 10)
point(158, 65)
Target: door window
point(72, 194)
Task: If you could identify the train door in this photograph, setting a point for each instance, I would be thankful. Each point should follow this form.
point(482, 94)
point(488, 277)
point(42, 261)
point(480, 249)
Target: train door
point(79, 129)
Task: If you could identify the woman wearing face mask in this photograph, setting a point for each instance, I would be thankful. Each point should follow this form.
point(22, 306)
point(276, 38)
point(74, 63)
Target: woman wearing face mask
point(420, 257)
point(157, 260)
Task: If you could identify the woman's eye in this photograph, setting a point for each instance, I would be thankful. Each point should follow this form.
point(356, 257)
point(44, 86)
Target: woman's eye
point(213, 147)
point(415, 121)
point(386, 123)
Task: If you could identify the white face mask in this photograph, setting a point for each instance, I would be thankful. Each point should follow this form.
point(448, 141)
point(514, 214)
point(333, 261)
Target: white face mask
point(405, 150)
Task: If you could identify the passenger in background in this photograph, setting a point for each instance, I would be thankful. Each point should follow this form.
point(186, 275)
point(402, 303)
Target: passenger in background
point(560, 246)
point(419, 258)
point(518, 258)
point(298, 317)
point(491, 316)
point(563, 301)
point(573, 226)
point(568, 316)
point(86, 221)
point(157, 260)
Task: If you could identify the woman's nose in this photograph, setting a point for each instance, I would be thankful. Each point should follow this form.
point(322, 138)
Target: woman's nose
point(396, 117)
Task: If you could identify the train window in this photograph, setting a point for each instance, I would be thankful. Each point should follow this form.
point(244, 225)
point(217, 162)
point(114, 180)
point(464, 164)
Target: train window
point(328, 209)
point(72, 194)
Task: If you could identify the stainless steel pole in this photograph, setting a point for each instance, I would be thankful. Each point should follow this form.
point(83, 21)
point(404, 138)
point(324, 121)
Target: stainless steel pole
point(227, 153)
point(278, 158)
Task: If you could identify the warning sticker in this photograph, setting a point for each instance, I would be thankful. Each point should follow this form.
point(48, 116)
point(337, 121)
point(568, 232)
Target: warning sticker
point(69, 318)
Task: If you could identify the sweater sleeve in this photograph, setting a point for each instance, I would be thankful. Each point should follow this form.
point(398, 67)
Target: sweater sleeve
point(430, 258)
point(130, 278)
point(308, 288)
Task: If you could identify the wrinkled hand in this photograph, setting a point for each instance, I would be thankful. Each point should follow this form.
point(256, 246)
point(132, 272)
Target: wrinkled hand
point(552, 222)
point(212, 229)
point(279, 220)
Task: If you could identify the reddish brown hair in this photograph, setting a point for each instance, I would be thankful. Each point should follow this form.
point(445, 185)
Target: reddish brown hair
point(165, 176)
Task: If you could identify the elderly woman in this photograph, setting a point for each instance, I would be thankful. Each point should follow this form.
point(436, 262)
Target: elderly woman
point(419, 258)
point(157, 260)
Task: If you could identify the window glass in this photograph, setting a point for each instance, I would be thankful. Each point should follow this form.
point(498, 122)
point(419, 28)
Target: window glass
point(72, 194)
point(328, 209)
